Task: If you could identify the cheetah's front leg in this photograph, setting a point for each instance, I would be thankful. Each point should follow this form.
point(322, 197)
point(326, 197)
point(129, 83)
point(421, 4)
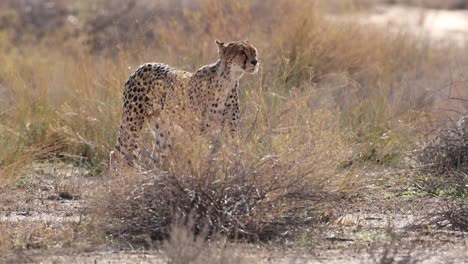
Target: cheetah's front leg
point(231, 114)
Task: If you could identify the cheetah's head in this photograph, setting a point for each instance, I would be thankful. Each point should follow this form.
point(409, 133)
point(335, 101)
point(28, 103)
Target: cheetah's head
point(239, 54)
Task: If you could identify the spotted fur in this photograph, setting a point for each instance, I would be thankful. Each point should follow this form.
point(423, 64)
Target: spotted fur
point(158, 94)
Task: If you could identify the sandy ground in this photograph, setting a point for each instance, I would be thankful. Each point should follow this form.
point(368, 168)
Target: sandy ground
point(330, 256)
point(381, 226)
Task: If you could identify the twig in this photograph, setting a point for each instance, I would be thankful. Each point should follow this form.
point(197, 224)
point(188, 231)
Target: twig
point(450, 110)
point(253, 125)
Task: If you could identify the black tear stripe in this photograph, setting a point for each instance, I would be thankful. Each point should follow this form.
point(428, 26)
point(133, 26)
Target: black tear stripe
point(244, 66)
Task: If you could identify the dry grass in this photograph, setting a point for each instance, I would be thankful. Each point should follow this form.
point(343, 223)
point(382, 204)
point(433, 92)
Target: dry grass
point(444, 160)
point(330, 97)
point(40, 235)
point(257, 190)
point(65, 101)
point(185, 247)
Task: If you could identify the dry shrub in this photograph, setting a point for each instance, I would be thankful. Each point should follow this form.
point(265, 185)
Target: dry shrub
point(448, 151)
point(445, 158)
point(453, 216)
point(225, 194)
point(256, 186)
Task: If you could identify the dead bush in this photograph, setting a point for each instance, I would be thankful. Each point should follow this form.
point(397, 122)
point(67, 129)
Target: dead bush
point(446, 158)
point(453, 216)
point(266, 181)
point(227, 191)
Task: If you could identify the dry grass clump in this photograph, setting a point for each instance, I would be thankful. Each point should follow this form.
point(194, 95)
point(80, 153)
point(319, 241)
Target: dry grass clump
point(225, 194)
point(40, 235)
point(183, 246)
point(52, 108)
point(445, 158)
point(240, 202)
point(256, 186)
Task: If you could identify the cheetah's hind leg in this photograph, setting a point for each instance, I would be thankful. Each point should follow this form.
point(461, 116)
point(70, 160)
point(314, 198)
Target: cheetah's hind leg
point(160, 139)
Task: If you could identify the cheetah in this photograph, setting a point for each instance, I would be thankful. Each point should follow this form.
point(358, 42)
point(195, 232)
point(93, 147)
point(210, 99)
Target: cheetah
point(158, 94)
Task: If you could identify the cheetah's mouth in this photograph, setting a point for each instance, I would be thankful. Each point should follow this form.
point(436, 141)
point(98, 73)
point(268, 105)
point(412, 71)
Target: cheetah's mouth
point(252, 70)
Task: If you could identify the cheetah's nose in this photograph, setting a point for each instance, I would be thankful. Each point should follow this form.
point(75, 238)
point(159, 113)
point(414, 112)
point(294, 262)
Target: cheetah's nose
point(254, 62)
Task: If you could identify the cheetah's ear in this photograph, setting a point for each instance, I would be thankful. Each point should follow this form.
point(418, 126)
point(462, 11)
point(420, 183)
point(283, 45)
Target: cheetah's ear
point(219, 43)
point(221, 47)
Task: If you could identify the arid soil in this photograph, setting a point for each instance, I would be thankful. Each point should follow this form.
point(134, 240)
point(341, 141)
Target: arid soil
point(379, 226)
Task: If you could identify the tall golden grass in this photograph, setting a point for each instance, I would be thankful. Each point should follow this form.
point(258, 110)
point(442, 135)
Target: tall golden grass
point(61, 96)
